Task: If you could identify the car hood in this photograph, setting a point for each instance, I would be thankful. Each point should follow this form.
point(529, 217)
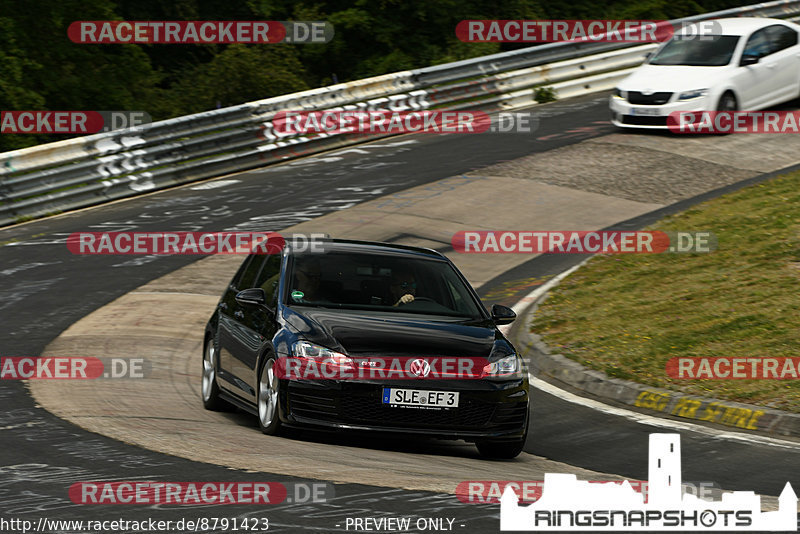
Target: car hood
point(395, 334)
point(671, 78)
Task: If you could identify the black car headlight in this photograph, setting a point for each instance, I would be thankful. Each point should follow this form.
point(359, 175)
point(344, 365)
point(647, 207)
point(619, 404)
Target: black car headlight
point(305, 349)
point(508, 367)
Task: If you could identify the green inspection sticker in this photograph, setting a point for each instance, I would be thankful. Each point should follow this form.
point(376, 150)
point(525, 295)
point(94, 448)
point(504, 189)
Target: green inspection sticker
point(298, 295)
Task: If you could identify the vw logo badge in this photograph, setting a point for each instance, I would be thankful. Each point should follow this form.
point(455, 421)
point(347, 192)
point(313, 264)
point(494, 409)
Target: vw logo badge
point(420, 368)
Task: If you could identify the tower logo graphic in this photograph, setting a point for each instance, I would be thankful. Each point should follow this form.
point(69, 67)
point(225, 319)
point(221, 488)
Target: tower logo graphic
point(569, 504)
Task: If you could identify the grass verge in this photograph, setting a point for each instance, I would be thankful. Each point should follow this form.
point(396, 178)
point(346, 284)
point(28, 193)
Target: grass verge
point(628, 314)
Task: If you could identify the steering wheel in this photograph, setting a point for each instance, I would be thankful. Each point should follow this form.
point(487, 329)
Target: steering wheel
point(416, 299)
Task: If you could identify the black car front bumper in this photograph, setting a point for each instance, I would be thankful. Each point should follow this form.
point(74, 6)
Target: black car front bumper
point(487, 409)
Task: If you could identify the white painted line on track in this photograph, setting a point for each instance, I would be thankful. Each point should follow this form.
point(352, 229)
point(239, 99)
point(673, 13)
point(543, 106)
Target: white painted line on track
point(636, 417)
point(214, 184)
point(534, 295)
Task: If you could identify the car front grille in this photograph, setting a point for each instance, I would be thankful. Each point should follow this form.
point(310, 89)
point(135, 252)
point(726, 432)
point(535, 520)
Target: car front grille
point(362, 406)
point(644, 120)
point(509, 416)
point(314, 404)
point(469, 414)
point(655, 99)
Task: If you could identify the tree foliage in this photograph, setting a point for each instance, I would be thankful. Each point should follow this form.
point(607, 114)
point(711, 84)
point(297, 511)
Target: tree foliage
point(40, 68)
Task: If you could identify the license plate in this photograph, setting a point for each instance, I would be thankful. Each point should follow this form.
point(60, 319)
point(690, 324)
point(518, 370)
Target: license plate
point(646, 112)
point(418, 397)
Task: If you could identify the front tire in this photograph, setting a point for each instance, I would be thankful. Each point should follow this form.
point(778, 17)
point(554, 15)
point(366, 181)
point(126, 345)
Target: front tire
point(727, 102)
point(269, 399)
point(209, 388)
point(503, 450)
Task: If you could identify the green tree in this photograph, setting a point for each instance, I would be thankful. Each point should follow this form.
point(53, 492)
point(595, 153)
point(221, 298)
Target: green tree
point(241, 73)
point(14, 92)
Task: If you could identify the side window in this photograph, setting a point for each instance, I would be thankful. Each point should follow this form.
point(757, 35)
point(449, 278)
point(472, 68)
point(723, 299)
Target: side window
point(758, 44)
point(781, 37)
point(248, 278)
point(269, 275)
point(239, 273)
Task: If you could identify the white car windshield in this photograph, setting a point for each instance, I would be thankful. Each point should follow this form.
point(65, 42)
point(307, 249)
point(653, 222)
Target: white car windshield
point(715, 52)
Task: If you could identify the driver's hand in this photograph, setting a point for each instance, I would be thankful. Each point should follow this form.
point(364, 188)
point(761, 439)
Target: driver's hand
point(405, 299)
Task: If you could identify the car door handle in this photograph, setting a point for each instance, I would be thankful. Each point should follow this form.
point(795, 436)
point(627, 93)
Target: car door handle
point(239, 314)
point(771, 65)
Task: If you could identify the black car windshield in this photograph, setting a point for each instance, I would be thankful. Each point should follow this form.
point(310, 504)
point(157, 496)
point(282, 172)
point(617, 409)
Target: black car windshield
point(381, 282)
point(715, 52)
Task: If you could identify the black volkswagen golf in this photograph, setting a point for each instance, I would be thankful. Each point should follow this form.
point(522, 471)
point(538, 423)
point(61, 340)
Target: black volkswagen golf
point(366, 336)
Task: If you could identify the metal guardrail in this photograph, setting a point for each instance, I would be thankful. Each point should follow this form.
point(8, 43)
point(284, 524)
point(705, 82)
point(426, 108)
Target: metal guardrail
point(98, 168)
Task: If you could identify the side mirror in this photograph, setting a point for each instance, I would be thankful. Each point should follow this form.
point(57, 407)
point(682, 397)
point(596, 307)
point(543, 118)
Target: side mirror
point(748, 59)
point(502, 314)
point(252, 297)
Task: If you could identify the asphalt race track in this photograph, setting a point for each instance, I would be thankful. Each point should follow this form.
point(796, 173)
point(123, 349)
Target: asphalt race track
point(45, 289)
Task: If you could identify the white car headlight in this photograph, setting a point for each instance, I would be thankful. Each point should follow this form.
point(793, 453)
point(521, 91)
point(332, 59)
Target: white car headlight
point(695, 93)
point(304, 349)
point(508, 367)
point(617, 93)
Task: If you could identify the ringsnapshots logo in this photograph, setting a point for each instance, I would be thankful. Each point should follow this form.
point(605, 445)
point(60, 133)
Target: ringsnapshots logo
point(569, 504)
point(199, 32)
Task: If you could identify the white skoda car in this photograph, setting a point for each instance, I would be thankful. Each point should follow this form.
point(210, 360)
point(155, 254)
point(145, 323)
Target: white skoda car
point(752, 64)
